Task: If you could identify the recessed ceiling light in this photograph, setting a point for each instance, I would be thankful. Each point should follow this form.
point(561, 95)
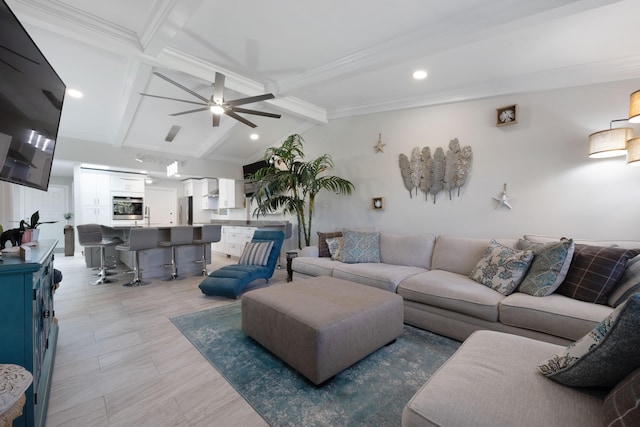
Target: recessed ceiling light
point(254, 136)
point(74, 93)
point(420, 74)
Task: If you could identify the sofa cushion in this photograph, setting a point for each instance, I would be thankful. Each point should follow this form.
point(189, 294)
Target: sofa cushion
point(621, 407)
point(381, 276)
point(313, 266)
point(628, 244)
point(490, 382)
point(461, 254)
point(502, 268)
point(323, 249)
point(628, 284)
point(360, 246)
point(605, 355)
point(549, 267)
point(554, 314)
point(452, 291)
point(413, 250)
point(594, 271)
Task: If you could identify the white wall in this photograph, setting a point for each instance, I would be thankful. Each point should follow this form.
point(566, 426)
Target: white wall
point(543, 159)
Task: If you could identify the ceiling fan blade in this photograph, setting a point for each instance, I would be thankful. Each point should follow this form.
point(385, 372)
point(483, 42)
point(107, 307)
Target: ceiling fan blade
point(257, 113)
point(172, 99)
point(250, 99)
point(216, 120)
point(186, 89)
point(218, 89)
point(190, 111)
point(240, 118)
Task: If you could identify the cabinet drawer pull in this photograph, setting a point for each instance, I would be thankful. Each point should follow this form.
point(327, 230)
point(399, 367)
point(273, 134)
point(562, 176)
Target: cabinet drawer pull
point(46, 314)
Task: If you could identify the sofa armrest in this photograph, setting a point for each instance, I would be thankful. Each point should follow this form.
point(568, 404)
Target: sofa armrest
point(310, 251)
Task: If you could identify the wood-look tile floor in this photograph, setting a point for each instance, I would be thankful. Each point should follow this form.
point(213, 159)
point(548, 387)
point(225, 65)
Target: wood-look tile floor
point(121, 362)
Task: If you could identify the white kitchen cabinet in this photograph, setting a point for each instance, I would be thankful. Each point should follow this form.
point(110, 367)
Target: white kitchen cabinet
point(231, 193)
point(127, 183)
point(95, 198)
point(236, 237)
point(188, 187)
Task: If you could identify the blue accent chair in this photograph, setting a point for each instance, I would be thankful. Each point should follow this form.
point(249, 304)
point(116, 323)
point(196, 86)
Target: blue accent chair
point(231, 280)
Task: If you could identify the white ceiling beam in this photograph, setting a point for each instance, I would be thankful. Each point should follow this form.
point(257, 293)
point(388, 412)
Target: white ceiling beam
point(138, 75)
point(164, 22)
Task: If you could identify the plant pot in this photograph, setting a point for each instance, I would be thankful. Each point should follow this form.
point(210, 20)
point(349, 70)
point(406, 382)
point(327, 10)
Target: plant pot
point(26, 236)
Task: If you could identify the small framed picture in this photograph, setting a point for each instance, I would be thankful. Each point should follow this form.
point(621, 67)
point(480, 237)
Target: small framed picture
point(377, 203)
point(507, 115)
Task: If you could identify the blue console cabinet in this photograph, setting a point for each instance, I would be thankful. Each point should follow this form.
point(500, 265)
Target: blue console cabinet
point(28, 333)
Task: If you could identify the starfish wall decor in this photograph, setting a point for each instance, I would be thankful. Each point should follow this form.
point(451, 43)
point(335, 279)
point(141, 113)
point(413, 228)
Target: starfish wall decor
point(379, 146)
point(504, 200)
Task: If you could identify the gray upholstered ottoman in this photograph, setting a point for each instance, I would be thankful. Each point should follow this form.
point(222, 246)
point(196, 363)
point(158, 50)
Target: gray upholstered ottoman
point(322, 325)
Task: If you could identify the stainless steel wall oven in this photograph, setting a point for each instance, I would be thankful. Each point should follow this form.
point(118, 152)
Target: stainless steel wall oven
point(130, 208)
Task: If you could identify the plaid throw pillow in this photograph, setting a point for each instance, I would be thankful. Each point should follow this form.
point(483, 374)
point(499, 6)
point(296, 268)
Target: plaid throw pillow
point(256, 253)
point(622, 405)
point(323, 248)
point(594, 271)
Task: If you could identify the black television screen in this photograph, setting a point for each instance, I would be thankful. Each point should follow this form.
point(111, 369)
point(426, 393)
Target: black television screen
point(250, 186)
point(31, 97)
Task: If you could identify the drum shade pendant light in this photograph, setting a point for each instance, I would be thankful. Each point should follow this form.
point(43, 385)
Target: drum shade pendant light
point(634, 107)
point(633, 151)
point(610, 142)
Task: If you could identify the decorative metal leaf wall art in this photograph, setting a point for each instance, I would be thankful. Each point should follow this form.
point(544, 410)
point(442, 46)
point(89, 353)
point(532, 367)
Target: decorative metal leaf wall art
point(405, 171)
point(425, 180)
point(440, 172)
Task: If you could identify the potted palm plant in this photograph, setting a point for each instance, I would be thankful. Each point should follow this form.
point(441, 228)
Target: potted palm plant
point(290, 184)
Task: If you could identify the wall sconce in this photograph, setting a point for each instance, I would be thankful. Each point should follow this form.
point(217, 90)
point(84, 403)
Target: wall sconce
point(610, 142)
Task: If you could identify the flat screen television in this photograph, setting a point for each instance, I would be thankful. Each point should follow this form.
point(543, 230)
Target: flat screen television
point(249, 185)
point(31, 97)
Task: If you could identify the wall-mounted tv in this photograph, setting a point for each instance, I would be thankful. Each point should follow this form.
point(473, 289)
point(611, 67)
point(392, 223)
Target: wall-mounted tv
point(31, 97)
point(250, 169)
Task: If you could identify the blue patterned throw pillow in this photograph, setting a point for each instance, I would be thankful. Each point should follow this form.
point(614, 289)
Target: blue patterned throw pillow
point(360, 246)
point(605, 355)
point(549, 267)
point(502, 268)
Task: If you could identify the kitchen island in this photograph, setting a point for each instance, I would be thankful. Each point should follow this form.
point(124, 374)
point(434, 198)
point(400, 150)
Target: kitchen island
point(235, 234)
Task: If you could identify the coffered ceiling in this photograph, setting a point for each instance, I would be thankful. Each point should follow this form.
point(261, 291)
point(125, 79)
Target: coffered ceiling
point(322, 60)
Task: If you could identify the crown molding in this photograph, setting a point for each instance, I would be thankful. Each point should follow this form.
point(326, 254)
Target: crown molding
point(45, 10)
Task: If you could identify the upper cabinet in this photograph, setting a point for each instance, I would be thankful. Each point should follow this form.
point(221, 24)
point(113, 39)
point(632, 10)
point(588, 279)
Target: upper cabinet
point(231, 193)
point(127, 183)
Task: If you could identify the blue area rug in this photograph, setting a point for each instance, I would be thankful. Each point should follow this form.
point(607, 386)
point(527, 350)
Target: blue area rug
point(373, 392)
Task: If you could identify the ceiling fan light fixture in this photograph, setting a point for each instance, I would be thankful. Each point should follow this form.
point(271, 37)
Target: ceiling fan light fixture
point(216, 109)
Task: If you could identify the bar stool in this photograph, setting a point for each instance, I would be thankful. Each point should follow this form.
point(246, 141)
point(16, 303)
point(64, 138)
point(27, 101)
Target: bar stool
point(204, 236)
point(139, 239)
point(90, 236)
point(179, 235)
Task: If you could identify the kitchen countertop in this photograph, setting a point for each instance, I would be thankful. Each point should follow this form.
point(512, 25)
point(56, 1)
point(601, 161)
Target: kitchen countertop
point(249, 223)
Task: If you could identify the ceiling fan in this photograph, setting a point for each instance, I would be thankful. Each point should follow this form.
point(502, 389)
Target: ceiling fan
point(216, 104)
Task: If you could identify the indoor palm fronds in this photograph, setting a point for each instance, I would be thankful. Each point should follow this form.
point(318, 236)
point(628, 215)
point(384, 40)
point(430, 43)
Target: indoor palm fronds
point(290, 184)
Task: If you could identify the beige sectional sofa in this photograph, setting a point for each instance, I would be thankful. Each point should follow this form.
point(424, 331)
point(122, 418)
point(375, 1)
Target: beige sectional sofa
point(432, 276)
point(492, 380)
